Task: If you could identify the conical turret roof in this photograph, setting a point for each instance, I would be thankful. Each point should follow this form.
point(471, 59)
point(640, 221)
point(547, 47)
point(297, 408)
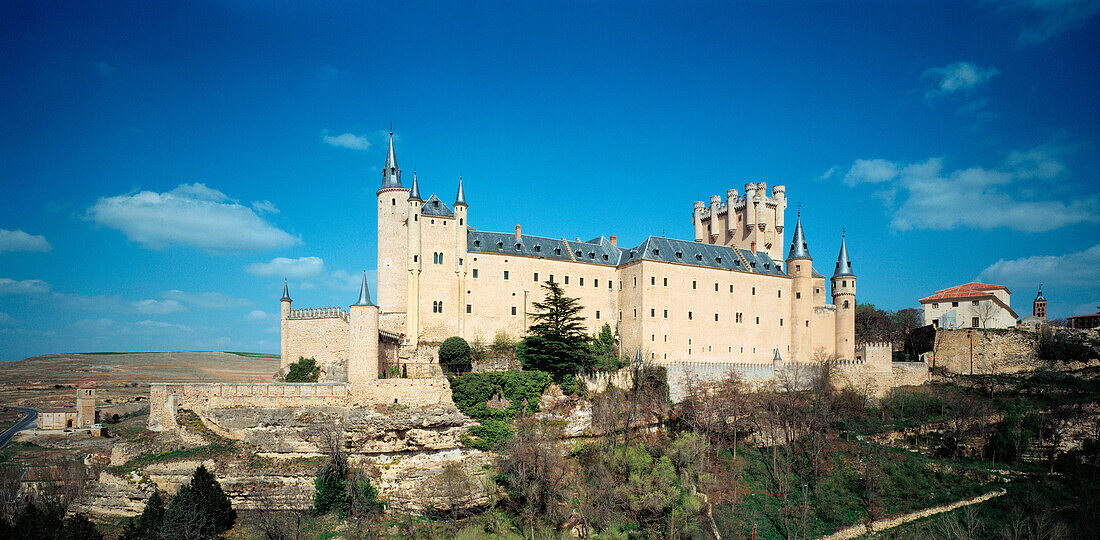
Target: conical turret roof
point(461, 198)
point(391, 175)
point(843, 265)
point(364, 293)
point(414, 193)
point(1039, 297)
point(286, 292)
point(799, 249)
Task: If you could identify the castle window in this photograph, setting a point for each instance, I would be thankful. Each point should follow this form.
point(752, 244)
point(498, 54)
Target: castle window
point(519, 246)
point(758, 320)
point(652, 280)
point(689, 318)
point(817, 291)
point(666, 313)
point(797, 295)
point(807, 324)
point(798, 268)
point(635, 282)
point(609, 284)
point(595, 282)
point(679, 254)
point(693, 284)
point(536, 277)
point(780, 293)
point(689, 352)
point(468, 308)
point(656, 252)
point(752, 264)
point(505, 274)
point(416, 217)
point(666, 338)
point(845, 303)
point(393, 202)
point(715, 317)
point(767, 266)
point(597, 314)
point(698, 257)
point(513, 310)
point(415, 257)
point(551, 278)
point(567, 280)
point(731, 288)
point(653, 313)
point(665, 281)
point(538, 248)
point(460, 261)
point(581, 282)
point(737, 262)
point(653, 337)
point(477, 243)
point(591, 254)
point(715, 287)
point(635, 313)
point(605, 256)
point(557, 251)
point(500, 245)
point(475, 273)
point(754, 291)
point(620, 315)
point(460, 221)
point(433, 222)
point(578, 253)
point(780, 322)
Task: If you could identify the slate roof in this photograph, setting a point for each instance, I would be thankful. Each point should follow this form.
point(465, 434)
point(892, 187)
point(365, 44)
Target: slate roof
point(601, 251)
point(843, 265)
point(435, 207)
point(364, 294)
point(596, 251)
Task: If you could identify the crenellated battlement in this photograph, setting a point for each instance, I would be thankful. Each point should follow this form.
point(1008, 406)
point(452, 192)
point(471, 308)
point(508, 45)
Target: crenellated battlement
point(752, 221)
point(335, 312)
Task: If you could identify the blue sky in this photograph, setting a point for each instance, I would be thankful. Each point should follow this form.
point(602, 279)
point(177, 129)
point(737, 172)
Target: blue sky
point(165, 164)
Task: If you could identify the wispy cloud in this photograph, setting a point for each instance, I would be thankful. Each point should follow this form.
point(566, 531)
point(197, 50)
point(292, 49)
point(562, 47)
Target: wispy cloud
point(191, 214)
point(205, 300)
point(26, 286)
point(255, 315)
point(21, 241)
point(346, 140)
point(1047, 19)
point(1080, 268)
point(300, 268)
point(932, 197)
point(157, 307)
point(828, 174)
point(262, 207)
point(957, 77)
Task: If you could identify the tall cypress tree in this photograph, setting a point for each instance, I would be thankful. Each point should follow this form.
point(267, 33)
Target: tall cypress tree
point(557, 342)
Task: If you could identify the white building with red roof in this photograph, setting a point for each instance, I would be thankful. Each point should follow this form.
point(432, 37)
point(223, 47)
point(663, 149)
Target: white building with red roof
point(971, 305)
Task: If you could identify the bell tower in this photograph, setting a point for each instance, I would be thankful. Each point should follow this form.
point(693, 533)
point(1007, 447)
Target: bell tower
point(1039, 305)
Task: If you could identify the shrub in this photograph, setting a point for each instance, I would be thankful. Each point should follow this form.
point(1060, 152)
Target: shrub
point(304, 370)
point(454, 355)
point(471, 393)
point(199, 509)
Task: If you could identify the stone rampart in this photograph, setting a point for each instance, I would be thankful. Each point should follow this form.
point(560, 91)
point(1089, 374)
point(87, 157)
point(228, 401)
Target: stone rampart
point(165, 399)
point(324, 338)
point(981, 351)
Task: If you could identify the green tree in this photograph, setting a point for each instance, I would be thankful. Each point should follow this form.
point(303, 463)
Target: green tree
point(557, 343)
point(304, 370)
point(198, 510)
point(454, 355)
point(78, 527)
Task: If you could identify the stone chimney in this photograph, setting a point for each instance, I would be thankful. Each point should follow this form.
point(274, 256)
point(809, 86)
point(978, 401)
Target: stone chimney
point(517, 231)
point(615, 240)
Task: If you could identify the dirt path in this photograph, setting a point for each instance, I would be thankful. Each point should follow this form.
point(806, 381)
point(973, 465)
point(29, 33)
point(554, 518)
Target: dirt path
point(889, 523)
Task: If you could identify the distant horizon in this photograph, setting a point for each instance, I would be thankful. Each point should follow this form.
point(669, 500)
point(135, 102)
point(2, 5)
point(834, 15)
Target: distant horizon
point(173, 163)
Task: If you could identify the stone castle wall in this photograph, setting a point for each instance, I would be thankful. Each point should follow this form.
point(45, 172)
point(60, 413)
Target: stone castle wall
point(166, 399)
point(324, 339)
point(992, 351)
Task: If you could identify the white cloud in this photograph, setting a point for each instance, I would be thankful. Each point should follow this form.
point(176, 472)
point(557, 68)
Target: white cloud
point(1042, 162)
point(828, 174)
point(156, 327)
point(262, 207)
point(932, 198)
point(21, 241)
point(1078, 269)
point(157, 307)
point(205, 300)
point(7, 320)
point(870, 170)
point(256, 315)
point(300, 268)
point(959, 76)
point(191, 214)
point(1050, 18)
point(346, 140)
point(27, 286)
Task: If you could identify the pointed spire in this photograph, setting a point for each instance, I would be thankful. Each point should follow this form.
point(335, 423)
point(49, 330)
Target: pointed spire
point(799, 249)
point(1039, 297)
point(364, 293)
point(843, 265)
point(391, 175)
point(461, 198)
point(286, 292)
point(778, 359)
point(414, 193)
point(638, 357)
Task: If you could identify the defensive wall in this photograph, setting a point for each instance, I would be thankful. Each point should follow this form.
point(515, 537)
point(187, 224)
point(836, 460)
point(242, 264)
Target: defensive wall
point(980, 351)
point(165, 399)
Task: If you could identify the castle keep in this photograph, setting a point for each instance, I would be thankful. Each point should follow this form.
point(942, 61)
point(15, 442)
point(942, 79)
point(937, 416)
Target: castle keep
point(727, 296)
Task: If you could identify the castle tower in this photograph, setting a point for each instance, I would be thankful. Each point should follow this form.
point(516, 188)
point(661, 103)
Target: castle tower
point(1039, 305)
point(412, 263)
point(460, 208)
point(392, 215)
point(844, 296)
point(284, 316)
point(800, 268)
point(697, 219)
point(85, 406)
point(363, 335)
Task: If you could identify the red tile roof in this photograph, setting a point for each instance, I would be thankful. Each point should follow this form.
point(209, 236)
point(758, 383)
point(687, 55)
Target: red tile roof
point(968, 290)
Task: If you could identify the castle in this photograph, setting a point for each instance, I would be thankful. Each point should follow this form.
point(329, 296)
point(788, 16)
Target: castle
point(724, 297)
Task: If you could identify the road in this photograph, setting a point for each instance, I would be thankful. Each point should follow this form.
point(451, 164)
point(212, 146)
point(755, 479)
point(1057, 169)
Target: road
point(27, 421)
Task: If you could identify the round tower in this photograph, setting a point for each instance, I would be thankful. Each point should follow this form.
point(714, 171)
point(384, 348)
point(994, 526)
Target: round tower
point(800, 269)
point(1039, 305)
point(363, 338)
point(697, 217)
point(461, 225)
point(715, 202)
point(412, 263)
point(392, 214)
point(844, 296)
point(284, 326)
point(731, 213)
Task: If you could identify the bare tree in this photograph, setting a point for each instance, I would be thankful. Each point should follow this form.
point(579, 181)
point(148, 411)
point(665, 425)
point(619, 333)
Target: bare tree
point(534, 472)
point(986, 310)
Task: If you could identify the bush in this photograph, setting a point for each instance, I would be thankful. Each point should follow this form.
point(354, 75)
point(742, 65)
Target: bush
point(304, 370)
point(472, 392)
point(331, 493)
point(199, 509)
point(454, 355)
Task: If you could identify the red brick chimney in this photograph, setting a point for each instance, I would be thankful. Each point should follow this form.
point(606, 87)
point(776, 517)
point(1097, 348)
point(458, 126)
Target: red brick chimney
point(614, 240)
point(517, 231)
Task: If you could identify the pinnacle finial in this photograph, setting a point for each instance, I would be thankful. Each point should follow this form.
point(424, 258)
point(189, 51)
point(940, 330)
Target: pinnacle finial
point(364, 293)
point(461, 197)
point(286, 291)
